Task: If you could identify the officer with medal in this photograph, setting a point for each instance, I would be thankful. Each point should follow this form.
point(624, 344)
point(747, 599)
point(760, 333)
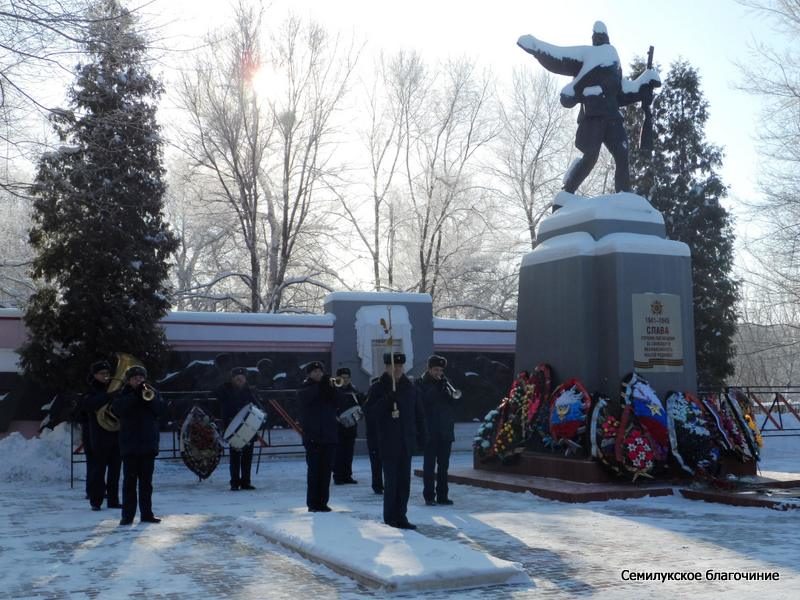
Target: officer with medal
point(394, 404)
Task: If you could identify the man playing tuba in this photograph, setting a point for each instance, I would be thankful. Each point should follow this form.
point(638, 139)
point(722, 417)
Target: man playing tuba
point(103, 473)
point(138, 408)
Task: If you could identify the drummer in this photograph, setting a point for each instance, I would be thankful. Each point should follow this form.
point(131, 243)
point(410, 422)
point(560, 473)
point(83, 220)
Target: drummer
point(234, 395)
point(347, 398)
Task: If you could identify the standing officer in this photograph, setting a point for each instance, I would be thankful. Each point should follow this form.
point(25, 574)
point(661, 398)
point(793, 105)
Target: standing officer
point(347, 397)
point(234, 395)
point(106, 461)
point(400, 425)
point(138, 408)
point(320, 434)
point(438, 404)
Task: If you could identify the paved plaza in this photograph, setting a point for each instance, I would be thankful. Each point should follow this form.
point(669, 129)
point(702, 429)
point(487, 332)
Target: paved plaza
point(53, 546)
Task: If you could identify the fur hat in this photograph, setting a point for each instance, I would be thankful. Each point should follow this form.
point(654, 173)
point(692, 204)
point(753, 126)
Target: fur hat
point(315, 364)
point(343, 371)
point(135, 370)
point(399, 358)
point(238, 371)
point(100, 365)
point(434, 360)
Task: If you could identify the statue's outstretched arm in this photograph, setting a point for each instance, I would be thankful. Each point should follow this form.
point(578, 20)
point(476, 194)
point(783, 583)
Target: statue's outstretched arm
point(639, 89)
point(562, 60)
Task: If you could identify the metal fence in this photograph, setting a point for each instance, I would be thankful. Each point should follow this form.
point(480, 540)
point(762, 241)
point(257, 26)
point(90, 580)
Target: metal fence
point(777, 409)
point(276, 437)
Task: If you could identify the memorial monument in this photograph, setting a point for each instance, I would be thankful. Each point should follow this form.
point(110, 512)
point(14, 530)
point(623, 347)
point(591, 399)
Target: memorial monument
point(604, 293)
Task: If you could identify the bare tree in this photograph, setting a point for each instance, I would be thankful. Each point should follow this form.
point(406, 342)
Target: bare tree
point(314, 70)
point(207, 251)
point(16, 255)
point(39, 40)
point(533, 146)
point(443, 133)
point(767, 339)
point(773, 74)
point(388, 96)
point(268, 149)
point(229, 133)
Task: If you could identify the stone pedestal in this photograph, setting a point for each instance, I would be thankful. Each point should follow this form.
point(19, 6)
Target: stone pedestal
point(603, 293)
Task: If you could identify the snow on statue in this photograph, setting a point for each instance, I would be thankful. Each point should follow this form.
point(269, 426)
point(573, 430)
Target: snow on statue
point(600, 88)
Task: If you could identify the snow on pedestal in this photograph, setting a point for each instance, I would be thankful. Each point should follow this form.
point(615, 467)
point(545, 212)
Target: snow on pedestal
point(380, 556)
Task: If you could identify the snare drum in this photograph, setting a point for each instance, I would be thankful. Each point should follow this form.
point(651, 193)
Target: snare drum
point(244, 427)
point(351, 416)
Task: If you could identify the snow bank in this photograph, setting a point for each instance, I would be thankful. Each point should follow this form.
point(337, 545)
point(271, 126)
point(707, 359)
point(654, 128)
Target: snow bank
point(39, 459)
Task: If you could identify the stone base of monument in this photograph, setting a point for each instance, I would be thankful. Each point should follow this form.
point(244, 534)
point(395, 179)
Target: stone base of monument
point(575, 479)
point(603, 293)
point(554, 488)
point(537, 464)
point(383, 557)
point(778, 495)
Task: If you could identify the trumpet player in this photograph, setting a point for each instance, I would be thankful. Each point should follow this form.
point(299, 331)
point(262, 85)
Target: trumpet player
point(438, 402)
point(138, 408)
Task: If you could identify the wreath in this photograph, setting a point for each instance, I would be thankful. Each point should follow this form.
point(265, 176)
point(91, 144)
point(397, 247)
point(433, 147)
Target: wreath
point(694, 439)
point(200, 443)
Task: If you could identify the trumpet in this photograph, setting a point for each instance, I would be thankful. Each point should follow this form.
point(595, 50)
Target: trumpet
point(451, 390)
point(336, 382)
point(148, 393)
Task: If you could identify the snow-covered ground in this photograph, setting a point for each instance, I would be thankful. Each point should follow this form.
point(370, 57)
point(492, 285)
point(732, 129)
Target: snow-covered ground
point(53, 546)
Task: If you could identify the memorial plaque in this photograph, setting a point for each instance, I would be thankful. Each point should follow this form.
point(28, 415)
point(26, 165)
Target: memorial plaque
point(657, 339)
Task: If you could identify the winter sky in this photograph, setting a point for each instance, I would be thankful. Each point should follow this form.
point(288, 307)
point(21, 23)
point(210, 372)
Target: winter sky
point(713, 36)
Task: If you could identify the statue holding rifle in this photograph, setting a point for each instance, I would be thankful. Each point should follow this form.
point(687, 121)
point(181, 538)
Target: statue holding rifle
point(599, 87)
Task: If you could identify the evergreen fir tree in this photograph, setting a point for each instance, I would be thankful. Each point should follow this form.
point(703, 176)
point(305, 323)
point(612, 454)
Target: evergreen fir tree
point(102, 246)
point(681, 181)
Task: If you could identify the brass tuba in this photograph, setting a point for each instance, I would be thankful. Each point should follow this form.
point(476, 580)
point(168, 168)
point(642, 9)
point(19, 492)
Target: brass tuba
point(105, 418)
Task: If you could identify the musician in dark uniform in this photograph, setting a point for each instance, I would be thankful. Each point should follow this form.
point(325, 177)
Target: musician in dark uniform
point(373, 447)
point(320, 434)
point(82, 417)
point(400, 427)
point(234, 395)
point(106, 461)
point(138, 443)
point(439, 408)
point(347, 397)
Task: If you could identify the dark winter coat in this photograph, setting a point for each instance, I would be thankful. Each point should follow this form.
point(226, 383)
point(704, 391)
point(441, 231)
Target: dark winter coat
point(396, 437)
point(138, 422)
point(439, 409)
point(318, 413)
point(371, 421)
point(233, 400)
point(607, 103)
point(97, 397)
